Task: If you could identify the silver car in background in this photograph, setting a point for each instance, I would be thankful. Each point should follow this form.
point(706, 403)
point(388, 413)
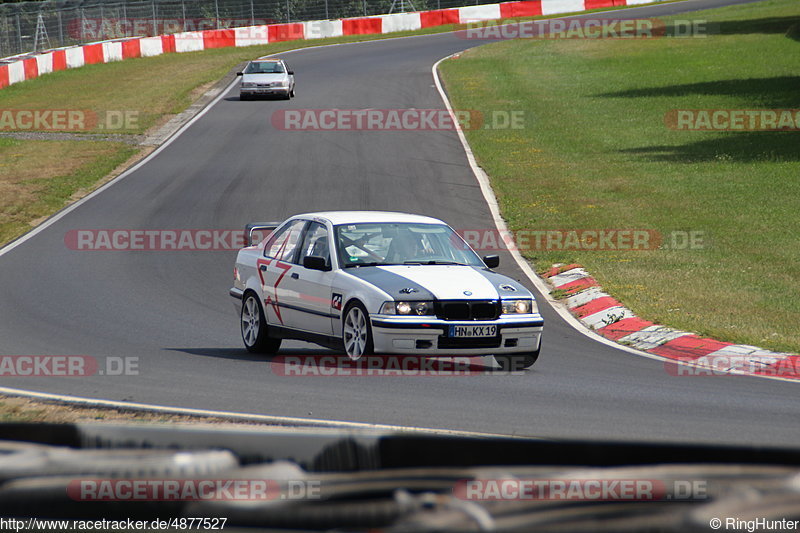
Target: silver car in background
point(266, 77)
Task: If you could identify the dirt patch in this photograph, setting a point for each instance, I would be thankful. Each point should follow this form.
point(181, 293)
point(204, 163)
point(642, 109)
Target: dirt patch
point(19, 409)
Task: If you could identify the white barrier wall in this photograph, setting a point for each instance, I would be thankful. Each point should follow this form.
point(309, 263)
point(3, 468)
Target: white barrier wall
point(401, 22)
point(551, 7)
point(251, 35)
point(189, 41)
point(484, 12)
point(44, 62)
point(16, 72)
point(74, 57)
point(150, 46)
point(112, 51)
point(320, 29)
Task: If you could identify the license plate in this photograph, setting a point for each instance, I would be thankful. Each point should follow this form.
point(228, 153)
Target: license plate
point(473, 331)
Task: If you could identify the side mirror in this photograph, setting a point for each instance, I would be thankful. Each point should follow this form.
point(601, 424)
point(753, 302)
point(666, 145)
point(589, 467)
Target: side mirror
point(240, 73)
point(491, 261)
point(314, 262)
point(291, 73)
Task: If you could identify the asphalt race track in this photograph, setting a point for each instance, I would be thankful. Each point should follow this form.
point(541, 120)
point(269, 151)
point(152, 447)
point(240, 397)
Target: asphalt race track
point(171, 309)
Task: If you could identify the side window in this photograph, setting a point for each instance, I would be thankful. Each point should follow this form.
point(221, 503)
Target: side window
point(283, 245)
point(316, 243)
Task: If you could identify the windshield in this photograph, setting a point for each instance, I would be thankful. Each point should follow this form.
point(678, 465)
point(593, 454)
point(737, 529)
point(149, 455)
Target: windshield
point(264, 67)
point(402, 243)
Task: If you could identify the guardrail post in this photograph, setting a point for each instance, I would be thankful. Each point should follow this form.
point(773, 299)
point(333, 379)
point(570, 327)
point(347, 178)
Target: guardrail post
point(19, 35)
point(60, 29)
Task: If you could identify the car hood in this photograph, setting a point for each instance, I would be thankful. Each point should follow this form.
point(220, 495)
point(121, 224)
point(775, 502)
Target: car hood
point(441, 282)
point(263, 78)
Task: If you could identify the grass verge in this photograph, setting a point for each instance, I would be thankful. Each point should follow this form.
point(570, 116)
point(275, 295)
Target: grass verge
point(595, 153)
point(38, 178)
point(19, 409)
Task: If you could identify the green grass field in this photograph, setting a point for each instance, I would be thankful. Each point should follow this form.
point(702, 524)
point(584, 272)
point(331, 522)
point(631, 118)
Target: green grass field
point(37, 178)
point(595, 153)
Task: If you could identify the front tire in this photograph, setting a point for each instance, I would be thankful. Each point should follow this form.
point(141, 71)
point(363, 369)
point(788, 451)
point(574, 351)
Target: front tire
point(516, 361)
point(356, 332)
point(254, 327)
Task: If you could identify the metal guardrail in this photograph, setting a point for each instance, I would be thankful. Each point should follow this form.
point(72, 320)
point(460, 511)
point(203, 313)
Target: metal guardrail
point(34, 26)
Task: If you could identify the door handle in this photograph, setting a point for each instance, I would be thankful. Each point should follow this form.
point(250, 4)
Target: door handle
point(263, 268)
point(295, 275)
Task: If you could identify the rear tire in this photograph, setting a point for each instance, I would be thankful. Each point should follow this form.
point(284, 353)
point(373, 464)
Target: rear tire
point(516, 361)
point(254, 327)
point(244, 97)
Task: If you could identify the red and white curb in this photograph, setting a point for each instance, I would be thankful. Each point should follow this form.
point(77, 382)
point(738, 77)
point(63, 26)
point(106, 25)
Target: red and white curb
point(606, 316)
point(29, 66)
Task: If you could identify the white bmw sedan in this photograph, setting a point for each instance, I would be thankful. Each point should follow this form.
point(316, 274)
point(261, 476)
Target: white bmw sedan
point(376, 282)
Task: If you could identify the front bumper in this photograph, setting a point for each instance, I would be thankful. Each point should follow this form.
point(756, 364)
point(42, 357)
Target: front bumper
point(263, 91)
point(429, 335)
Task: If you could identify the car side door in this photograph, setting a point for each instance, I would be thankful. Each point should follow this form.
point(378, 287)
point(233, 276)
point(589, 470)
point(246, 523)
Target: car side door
point(313, 303)
point(275, 269)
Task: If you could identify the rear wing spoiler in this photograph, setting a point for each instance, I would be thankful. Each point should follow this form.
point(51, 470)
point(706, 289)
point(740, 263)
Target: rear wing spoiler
point(258, 226)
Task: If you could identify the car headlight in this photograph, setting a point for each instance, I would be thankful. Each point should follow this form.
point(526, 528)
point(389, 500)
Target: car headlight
point(520, 306)
point(283, 83)
point(407, 308)
point(248, 84)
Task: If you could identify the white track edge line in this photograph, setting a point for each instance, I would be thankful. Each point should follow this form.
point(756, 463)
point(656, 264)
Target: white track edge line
point(243, 417)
